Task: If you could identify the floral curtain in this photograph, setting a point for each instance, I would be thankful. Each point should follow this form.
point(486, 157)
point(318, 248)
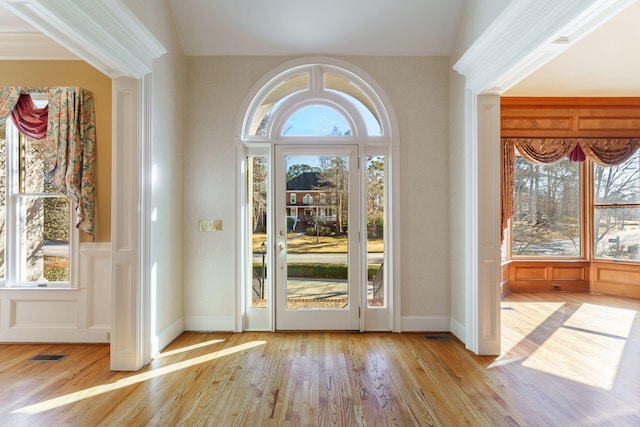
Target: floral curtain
point(69, 144)
point(8, 99)
point(604, 151)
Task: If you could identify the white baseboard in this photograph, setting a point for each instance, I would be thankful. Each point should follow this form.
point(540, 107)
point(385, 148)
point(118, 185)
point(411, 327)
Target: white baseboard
point(167, 335)
point(425, 323)
point(459, 330)
point(55, 335)
point(209, 323)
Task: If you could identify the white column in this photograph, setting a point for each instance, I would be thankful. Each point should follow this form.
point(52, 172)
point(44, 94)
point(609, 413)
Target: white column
point(488, 267)
point(126, 296)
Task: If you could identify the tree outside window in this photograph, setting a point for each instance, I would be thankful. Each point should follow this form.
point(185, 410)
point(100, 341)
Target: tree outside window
point(546, 217)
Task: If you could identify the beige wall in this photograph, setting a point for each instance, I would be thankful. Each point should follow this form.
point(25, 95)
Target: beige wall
point(76, 73)
point(169, 139)
point(417, 88)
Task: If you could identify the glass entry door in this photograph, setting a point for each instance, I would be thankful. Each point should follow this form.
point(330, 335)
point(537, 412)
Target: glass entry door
point(317, 255)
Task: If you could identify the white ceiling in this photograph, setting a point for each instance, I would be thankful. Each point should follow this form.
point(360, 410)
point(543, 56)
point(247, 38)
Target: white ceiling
point(11, 23)
point(604, 63)
point(303, 27)
point(20, 40)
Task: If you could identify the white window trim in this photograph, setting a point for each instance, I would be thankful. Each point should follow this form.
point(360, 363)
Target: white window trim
point(12, 225)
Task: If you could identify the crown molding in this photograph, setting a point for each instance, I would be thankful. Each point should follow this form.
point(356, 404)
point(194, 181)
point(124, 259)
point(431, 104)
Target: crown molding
point(104, 33)
point(527, 35)
point(31, 46)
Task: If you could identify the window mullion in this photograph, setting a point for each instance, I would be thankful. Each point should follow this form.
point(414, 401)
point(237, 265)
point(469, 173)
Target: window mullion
point(12, 256)
point(587, 210)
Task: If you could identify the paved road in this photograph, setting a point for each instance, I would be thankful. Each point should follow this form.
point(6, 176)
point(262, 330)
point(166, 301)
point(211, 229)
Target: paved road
point(331, 258)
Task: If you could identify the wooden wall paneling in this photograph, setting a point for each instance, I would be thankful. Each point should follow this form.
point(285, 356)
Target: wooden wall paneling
point(616, 279)
point(570, 117)
point(545, 276)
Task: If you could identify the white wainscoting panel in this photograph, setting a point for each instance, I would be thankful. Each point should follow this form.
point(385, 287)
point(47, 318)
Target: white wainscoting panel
point(79, 314)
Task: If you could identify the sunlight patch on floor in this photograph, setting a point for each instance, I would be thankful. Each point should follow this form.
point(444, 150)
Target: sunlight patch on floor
point(592, 343)
point(134, 379)
point(185, 349)
point(522, 318)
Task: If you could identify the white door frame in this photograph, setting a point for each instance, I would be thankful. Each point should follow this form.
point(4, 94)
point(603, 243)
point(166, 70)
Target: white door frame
point(297, 319)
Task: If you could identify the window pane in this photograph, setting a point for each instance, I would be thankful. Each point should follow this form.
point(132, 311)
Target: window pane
point(34, 168)
point(546, 218)
point(617, 184)
point(257, 176)
point(317, 239)
point(343, 87)
point(317, 120)
point(616, 228)
point(44, 239)
point(375, 231)
point(269, 103)
point(617, 232)
point(3, 190)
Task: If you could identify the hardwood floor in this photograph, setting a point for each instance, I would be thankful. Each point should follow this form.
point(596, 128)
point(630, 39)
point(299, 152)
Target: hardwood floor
point(568, 360)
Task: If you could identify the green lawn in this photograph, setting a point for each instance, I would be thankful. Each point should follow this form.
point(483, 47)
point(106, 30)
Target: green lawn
point(320, 244)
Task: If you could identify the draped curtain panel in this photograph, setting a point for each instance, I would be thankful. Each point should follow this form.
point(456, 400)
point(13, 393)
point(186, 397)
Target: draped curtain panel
point(507, 181)
point(604, 151)
point(29, 119)
point(69, 143)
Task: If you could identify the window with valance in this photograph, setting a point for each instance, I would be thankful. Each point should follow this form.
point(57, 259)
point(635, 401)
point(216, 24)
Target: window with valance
point(67, 128)
point(613, 178)
point(606, 152)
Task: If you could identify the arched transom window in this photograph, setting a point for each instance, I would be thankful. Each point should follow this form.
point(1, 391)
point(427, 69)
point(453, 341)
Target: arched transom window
point(316, 101)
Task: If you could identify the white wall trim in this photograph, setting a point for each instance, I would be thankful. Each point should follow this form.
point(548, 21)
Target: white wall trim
point(489, 242)
point(126, 304)
point(104, 33)
point(74, 315)
point(31, 46)
point(210, 323)
point(426, 323)
point(168, 334)
point(458, 330)
point(528, 34)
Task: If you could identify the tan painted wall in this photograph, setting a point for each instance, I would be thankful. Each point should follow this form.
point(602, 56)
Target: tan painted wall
point(76, 73)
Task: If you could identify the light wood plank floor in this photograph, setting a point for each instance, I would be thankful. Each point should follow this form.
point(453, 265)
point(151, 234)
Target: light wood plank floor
point(568, 360)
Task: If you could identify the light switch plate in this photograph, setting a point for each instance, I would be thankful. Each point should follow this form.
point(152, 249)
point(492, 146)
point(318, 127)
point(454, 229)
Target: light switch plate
point(210, 225)
point(205, 225)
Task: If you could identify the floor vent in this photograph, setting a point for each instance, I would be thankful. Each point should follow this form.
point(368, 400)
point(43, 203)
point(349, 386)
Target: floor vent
point(47, 357)
point(438, 337)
